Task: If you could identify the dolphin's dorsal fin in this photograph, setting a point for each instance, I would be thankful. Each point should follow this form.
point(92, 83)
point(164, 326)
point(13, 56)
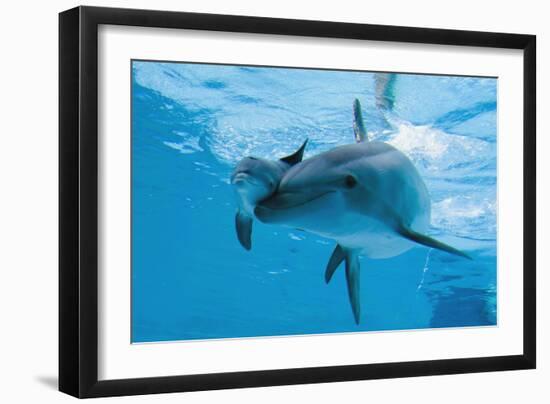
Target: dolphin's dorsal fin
point(358, 125)
point(297, 156)
point(243, 225)
point(430, 242)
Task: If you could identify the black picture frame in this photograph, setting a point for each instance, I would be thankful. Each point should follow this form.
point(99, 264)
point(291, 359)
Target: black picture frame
point(78, 201)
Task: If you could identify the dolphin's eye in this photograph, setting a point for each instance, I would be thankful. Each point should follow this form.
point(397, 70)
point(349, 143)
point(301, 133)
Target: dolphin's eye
point(252, 158)
point(350, 181)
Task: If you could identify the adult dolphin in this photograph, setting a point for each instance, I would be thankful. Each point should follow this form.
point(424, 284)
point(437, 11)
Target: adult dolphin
point(367, 196)
point(254, 179)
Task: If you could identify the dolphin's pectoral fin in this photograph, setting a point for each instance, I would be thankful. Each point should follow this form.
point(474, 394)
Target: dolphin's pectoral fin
point(338, 255)
point(297, 156)
point(358, 124)
point(352, 275)
point(430, 242)
point(352, 278)
point(243, 224)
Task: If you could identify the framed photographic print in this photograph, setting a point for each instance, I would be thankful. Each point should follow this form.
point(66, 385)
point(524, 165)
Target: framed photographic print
point(251, 201)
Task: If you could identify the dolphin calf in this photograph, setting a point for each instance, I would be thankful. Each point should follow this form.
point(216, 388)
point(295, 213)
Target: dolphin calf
point(367, 196)
point(255, 179)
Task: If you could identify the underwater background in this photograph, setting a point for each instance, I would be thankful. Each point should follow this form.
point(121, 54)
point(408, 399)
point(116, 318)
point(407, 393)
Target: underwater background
point(192, 123)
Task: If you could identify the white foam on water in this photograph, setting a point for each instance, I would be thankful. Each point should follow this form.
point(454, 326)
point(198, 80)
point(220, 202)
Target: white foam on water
point(469, 215)
point(435, 150)
point(188, 146)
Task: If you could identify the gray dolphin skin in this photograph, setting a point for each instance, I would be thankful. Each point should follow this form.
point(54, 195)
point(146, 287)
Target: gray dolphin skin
point(384, 90)
point(255, 179)
point(367, 196)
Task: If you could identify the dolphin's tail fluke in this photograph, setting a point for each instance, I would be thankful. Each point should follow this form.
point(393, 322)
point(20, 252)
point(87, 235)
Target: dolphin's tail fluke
point(384, 90)
point(431, 242)
point(384, 93)
point(352, 276)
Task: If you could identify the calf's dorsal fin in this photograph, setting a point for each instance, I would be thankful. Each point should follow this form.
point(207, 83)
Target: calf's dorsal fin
point(297, 156)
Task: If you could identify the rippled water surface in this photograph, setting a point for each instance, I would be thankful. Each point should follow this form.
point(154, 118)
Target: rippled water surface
point(192, 123)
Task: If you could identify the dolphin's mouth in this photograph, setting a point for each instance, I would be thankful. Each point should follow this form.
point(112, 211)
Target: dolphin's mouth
point(242, 178)
point(287, 200)
point(283, 206)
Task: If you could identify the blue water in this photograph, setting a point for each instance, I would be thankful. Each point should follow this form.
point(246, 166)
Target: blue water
point(192, 123)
